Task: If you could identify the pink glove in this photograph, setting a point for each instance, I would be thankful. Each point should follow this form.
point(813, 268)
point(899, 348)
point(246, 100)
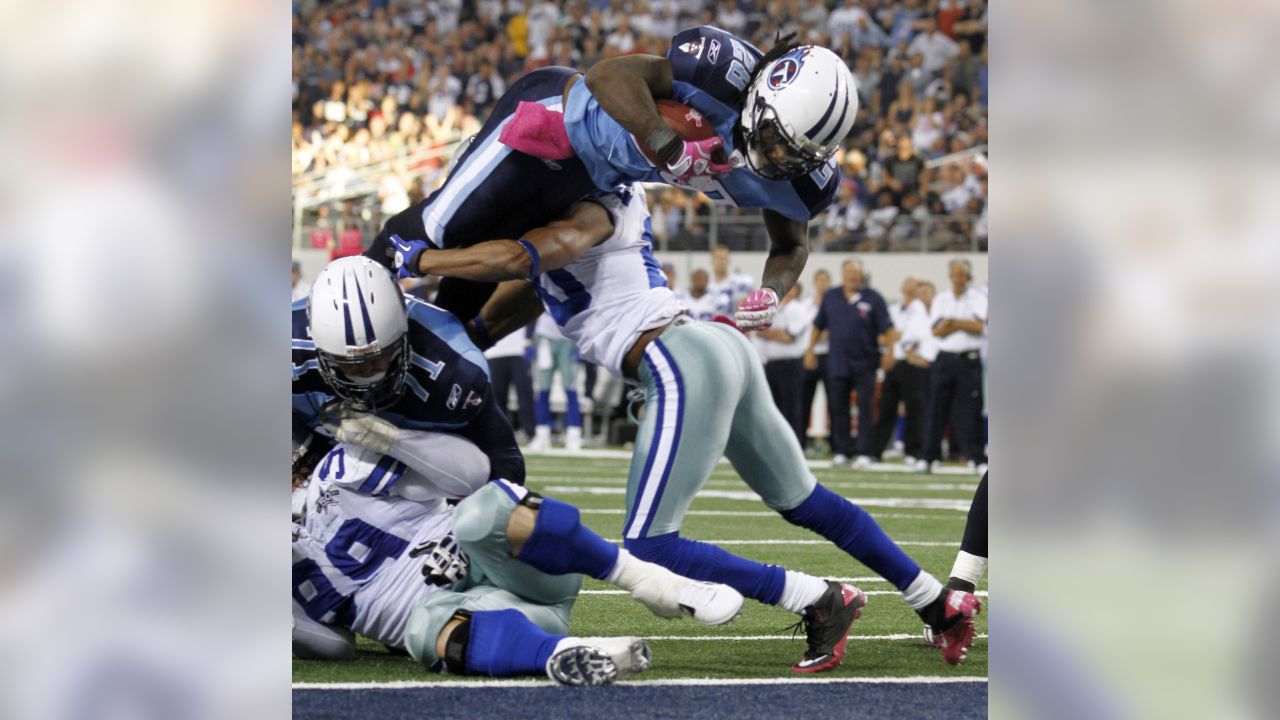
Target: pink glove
point(695, 160)
point(757, 311)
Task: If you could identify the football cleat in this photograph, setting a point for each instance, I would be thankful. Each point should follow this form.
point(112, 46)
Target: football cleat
point(826, 625)
point(669, 595)
point(954, 636)
point(929, 639)
point(597, 661)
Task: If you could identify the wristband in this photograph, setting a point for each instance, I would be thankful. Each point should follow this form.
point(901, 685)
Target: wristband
point(666, 144)
point(535, 262)
point(481, 332)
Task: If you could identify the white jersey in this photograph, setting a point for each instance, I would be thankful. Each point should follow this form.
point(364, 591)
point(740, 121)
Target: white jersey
point(615, 291)
point(729, 292)
point(351, 551)
point(705, 307)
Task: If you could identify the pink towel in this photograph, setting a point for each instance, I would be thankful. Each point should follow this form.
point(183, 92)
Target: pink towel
point(537, 131)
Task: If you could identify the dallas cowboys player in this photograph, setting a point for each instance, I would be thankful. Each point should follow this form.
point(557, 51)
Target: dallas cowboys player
point(358, 340)
point(377, 551)
point(555, 136)
point(707, 396)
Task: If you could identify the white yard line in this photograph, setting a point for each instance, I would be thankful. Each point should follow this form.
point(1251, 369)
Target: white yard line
point(980, 593)
point(608, 454)
point(908, 543)
point(685, 682)
point(603, 481)
point(747, 495)
point(765, 513)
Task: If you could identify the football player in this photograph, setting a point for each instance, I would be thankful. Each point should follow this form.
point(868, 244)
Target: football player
point(971, 561)
point(706, 397)
point(359, 342)
point(378, 551)
point(556, 135)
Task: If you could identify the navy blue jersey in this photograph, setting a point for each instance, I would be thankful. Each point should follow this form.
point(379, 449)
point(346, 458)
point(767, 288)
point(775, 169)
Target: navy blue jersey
point(711, 69)
point(447, 388)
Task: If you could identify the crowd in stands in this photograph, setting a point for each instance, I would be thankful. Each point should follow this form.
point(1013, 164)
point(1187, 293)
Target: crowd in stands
point(400, 82)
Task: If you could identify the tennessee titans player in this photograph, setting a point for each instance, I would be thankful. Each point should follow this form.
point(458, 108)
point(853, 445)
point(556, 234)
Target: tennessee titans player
point(358, 340)
point(556, 136)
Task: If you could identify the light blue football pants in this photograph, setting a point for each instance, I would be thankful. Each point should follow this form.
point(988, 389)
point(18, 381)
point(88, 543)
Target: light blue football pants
point(495, 580)
point(706, 396)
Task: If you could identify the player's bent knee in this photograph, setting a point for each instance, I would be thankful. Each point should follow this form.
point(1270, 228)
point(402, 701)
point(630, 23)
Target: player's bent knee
point(475, 517)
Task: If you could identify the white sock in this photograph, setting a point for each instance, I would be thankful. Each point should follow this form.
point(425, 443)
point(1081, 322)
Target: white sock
point(801, 591)
point(969, 568)
point(627, 572)
point(922, 591)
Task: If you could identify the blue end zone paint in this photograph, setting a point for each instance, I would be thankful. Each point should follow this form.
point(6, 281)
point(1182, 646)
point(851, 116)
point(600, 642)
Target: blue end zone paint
point(949, 701)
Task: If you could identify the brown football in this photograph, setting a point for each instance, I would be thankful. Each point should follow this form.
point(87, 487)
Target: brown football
point(688, 124)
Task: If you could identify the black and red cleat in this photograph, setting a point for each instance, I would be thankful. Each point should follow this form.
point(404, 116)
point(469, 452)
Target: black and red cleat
point(826, 626)
point(954, 635)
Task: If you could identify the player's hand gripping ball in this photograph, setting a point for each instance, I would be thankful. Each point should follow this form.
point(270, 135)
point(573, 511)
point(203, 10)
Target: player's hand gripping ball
point(702, 154)
point(757, 311)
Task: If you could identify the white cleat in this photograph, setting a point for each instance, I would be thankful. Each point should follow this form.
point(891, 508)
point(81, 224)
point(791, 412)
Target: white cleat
point(839, 460)
point(862, 462)
point(669, 595)
point(597, 661)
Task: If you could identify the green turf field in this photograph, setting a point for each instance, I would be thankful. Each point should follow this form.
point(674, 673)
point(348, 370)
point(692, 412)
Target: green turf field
point(925, 513)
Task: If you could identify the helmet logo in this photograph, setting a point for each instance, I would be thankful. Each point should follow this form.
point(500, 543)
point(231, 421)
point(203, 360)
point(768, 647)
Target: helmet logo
point(783, 73)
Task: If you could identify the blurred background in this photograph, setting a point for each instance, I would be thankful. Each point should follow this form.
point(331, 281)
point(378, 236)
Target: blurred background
point(385, 90)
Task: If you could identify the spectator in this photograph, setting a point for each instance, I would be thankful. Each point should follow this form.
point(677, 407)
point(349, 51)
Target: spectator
point(301, 288)
point(702, 302)
point(484, 88)
point(906, 375)
point(728, 288)
point(813, 376)
point(731, 18)
point(509, 368)
point(958, 319)
point(783, 346)
point(853, 317)
point(935, 47)
point(554, 354)
point(905, 171)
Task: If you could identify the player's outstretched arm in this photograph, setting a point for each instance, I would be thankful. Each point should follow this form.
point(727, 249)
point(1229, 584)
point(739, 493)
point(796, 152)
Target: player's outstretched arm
point(546, 248)
point(788, 251)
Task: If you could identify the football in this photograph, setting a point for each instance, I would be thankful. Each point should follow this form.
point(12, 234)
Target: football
point(688, 124)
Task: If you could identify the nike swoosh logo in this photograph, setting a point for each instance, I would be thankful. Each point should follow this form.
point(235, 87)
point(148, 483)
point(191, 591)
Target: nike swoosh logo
point(815, 661)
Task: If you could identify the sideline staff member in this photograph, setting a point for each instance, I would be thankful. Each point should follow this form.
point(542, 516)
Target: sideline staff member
point(959, 318)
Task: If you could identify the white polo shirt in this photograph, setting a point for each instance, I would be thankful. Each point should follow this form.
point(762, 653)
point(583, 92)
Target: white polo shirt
point(913, 322)
point(796, 320)
point(972, 305)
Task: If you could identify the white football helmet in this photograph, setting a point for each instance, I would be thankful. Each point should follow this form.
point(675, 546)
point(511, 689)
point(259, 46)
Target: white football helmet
point(797, 110)
point(358, 321)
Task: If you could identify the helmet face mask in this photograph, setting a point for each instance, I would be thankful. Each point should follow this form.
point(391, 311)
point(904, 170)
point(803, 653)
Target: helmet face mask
point(797, 110)
point(358, 321)
point(770, 152)
point(368, 381)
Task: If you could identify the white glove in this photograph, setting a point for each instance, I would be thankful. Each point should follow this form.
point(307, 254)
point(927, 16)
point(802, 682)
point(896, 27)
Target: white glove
point(362, 429)
point(757, 311)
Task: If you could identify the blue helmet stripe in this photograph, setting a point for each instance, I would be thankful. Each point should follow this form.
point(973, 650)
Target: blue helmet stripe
point(812, 132)
point(364, 312)
point(835, 130)
point(346, 314)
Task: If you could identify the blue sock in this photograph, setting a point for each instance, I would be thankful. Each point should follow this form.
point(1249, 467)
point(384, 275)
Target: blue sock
point(572, 413)
point(505, 643)
point(855, 532)
point(560, 544)
point(542, 408)
point(704, 561)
